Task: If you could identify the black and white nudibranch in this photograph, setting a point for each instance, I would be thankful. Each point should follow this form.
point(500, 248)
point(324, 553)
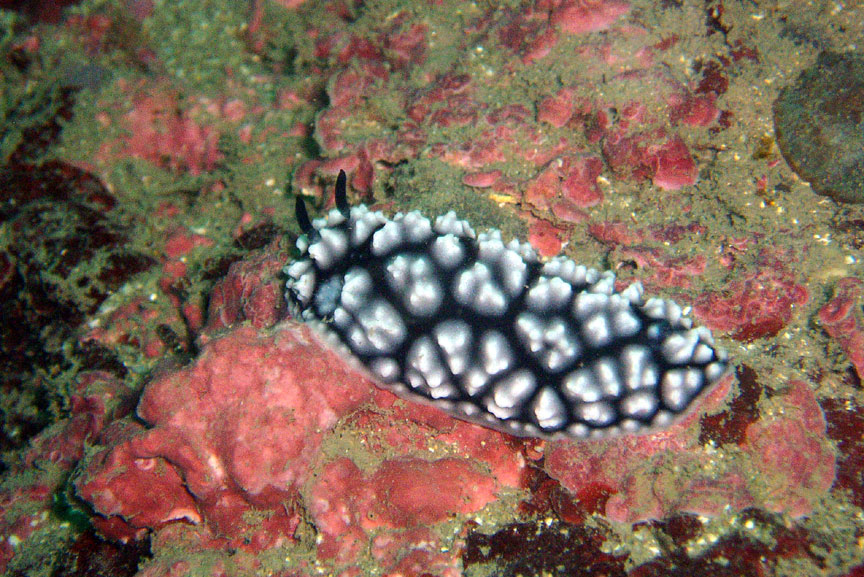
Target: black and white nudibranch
point(491, 334)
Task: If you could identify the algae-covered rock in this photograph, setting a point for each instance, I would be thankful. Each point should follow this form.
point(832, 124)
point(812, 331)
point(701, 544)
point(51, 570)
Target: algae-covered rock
point(819, 122)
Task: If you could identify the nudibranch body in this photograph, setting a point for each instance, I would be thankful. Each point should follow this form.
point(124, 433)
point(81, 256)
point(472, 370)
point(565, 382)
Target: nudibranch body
point(489, 333)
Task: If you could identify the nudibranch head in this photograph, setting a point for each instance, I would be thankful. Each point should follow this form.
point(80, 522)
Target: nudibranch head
point(489, 333)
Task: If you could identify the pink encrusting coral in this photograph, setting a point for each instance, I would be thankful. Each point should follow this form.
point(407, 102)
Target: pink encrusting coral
point(258, 431)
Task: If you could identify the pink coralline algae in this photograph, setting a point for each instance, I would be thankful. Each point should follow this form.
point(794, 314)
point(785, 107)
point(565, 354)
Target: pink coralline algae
point(635, 144)
point(160, 134)
point(567, 183)
point(558, 108)
point(179, 242)
point(583, 16)
point(533, 33)
point(844, 322)
point(252, 290)
point(667, 162)
point(252, 437)
point(26, 502)
point(63, 444)
point(758, 306)
point(545, 237)
point(671, 164)
point(661, 266)
point(135, 324)
point(662, 269)
point(558, 142)
point(786, 464)
point(482, 179)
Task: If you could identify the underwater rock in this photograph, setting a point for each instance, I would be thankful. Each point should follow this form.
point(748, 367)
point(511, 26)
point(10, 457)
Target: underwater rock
point(819, 126)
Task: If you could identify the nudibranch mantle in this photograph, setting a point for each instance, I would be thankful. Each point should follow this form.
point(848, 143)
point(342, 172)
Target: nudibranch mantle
point(491, 334)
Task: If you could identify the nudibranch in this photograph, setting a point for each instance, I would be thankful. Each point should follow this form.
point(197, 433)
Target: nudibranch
point(491, 334)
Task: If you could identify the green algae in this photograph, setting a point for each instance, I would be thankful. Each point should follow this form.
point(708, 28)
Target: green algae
point(30, 91)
